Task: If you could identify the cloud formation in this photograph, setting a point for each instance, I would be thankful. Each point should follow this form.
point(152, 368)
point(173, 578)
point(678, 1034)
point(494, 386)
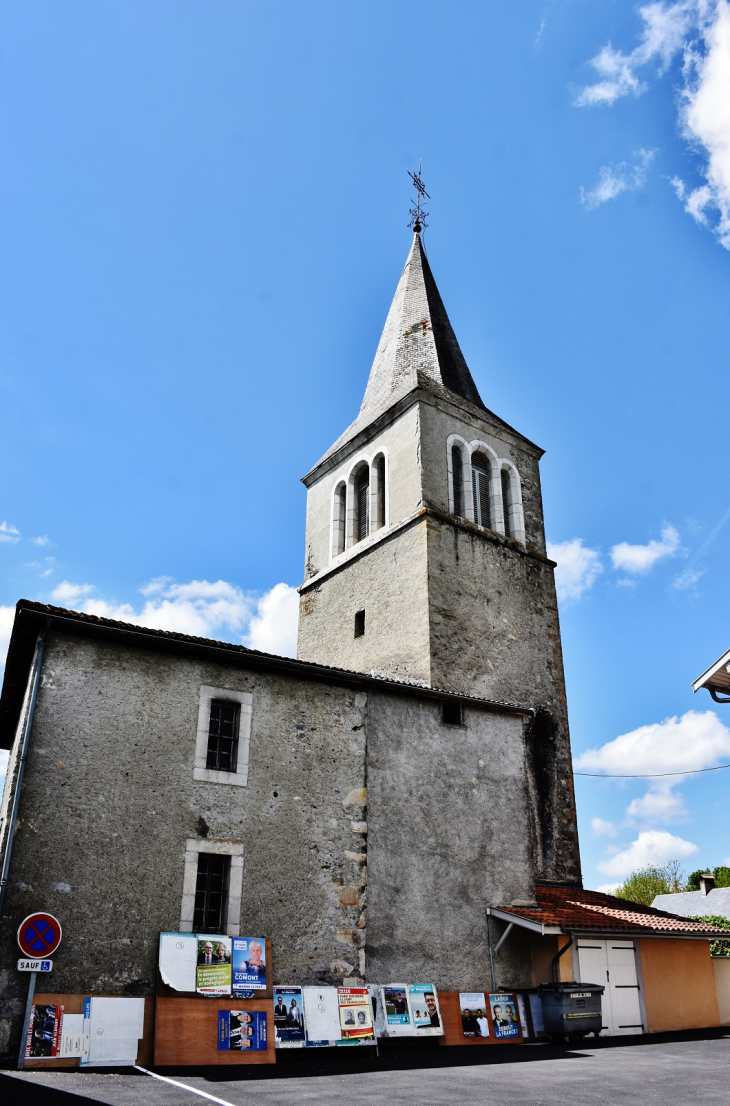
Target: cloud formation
point(696, 740)
point(650, 847)
point(613, 180)
point(273, 629)
point(9, 533)
point(699, 31)
point(602, 828)
point(578, 568)
point(638, 559)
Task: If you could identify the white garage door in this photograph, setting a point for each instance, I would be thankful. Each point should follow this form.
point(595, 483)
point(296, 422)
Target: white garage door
point(613, 963)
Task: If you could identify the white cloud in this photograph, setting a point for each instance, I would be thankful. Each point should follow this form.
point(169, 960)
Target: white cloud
point(609, 888)
point(613, 180)
point(201, 608)
point(687, 580)
point(578, 567)
point(66, 592)
point(696, 740)
point(9, 532)
point(273, 629)
point(7, 614)
point(640, 558)
point(661, 803)
point(705, 115)
point(44, 540)
point(699, 30)
point(663, 36)
point(602, 828)
point(655, 847)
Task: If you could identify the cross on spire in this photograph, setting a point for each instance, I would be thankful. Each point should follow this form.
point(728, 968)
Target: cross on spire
point(417, 214)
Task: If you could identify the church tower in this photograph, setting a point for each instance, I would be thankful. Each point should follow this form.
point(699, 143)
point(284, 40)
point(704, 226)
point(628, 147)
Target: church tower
point(425, 543)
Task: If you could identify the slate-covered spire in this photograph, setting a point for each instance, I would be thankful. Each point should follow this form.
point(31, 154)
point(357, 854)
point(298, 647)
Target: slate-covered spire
point(417, 338)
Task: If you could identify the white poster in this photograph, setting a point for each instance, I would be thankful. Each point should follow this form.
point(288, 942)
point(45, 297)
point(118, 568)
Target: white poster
point(74, 1042)
point(115, 1026)
point(178, 960)
point(323, 1014)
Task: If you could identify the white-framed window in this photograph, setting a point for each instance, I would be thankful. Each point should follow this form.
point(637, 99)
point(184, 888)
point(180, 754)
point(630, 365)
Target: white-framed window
point(197, 884)
point(223, 737)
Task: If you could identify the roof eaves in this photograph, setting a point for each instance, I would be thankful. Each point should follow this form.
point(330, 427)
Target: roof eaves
point(707, 676)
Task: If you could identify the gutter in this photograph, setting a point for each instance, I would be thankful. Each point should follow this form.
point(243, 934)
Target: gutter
point(604, 934)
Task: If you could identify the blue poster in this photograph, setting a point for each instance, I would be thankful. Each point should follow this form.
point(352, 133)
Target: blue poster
point(249, 964)
point(504, 1017)
point(242, 1029)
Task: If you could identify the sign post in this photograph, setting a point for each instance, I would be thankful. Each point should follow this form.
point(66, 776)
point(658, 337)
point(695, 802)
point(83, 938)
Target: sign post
point(39, 935)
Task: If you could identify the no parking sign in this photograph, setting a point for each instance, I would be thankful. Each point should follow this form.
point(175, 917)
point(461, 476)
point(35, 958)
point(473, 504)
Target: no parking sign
point(39, 935)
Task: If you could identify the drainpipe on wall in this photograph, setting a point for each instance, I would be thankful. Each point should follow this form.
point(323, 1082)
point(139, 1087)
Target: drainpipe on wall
point(40, 651)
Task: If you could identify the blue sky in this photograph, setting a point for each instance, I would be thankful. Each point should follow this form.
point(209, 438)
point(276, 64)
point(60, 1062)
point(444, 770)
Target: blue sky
point(203, 210)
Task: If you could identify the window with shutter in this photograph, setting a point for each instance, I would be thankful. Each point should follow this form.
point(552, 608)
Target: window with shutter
point(457, 475)
point(506, 503)
point(480, 487)
point(363, 495)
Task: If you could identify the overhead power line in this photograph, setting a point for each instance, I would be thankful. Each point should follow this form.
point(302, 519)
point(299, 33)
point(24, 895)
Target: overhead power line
point(648, 775)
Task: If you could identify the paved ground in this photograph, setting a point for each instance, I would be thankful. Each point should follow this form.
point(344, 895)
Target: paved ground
point(675, 1073)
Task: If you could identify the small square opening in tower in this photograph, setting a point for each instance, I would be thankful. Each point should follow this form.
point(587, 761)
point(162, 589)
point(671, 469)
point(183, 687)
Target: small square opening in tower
point(359, 623)
point(451, 712)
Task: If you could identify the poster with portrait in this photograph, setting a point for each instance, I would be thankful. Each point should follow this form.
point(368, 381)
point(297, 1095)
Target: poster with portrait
point(249, 965)
point(213, 965)
point(242, 1030)
point(504, 1016)
point(474, 1020)
point(395, 1005)
point(289, 1017)
point(356, 1022)
point(44, 1032)
point(425, 1012)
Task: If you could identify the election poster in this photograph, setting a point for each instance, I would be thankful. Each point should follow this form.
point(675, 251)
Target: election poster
point(239, 1030)
point(249, 965)
point(213, 969)
point(395, 1002)
point(44, 1032)
point(504, 1016)
point(289, 1017)
point(423, 1000)
point(356, 1021)
point(474, 1020)
point(323, 1016)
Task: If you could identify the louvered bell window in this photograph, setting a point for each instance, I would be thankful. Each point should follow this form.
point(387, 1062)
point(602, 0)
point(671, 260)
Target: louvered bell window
point(506, 501)
point(480, 486)
point(363, 495)
point(457, 474)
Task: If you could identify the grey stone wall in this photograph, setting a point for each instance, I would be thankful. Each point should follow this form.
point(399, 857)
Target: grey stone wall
point(449, 834)
point(109, 802)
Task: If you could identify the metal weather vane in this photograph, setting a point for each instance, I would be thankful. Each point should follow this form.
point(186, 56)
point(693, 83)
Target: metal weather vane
point(417, 213)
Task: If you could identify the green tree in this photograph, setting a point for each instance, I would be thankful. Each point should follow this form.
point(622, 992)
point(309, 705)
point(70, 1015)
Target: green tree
point(643, 886)
point(721, 874)
point(717, 948)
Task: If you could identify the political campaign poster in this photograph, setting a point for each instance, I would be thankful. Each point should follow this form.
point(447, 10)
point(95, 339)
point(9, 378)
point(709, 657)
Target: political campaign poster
point(474, 1020)
point(44, 1032)
point(322, 1010)
point(504, 1016)
point(240, 1030)
point(523, 1015)
point(423, 1000)
point(356, 1022)
point(213, 968)
point(177, 960)
point(249, 965)
point(395, 1002)
point(288, 1017)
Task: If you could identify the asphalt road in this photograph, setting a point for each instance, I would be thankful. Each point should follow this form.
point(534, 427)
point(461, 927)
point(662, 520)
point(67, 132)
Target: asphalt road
point(678, 1073)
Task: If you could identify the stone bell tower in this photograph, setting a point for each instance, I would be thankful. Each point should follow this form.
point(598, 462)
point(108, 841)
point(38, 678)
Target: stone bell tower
point(425, 546)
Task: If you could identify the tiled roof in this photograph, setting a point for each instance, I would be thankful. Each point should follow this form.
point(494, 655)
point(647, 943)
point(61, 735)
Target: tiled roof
point(570, 908)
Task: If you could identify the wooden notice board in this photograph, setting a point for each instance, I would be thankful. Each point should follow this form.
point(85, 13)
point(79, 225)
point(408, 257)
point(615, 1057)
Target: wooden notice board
point(74, 1004)
point(453, 1030)
point(186, 1031)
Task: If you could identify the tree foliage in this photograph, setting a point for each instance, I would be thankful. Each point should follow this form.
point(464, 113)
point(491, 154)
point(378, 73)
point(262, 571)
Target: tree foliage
point(643, 886)
point(721, 874)
point(717, 948)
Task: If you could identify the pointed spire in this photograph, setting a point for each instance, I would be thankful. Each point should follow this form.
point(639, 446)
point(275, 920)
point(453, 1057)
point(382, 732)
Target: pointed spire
point(417, 339)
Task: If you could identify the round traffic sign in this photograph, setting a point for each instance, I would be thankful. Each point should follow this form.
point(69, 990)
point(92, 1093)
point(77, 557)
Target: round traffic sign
point(39, 935)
